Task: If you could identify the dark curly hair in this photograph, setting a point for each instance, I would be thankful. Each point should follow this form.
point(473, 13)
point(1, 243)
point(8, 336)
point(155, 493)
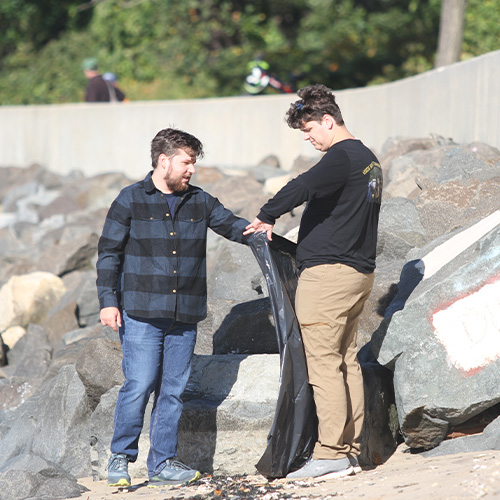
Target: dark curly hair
point(169, 140)
point(315, 102)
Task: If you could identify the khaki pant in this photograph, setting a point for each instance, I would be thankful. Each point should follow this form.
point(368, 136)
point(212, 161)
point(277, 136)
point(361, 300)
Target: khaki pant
point(328, 303)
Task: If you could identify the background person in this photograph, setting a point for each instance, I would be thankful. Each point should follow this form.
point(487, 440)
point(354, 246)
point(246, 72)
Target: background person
point(115, 93)
point(97, 89)
point(151, 281)
point(336, 258)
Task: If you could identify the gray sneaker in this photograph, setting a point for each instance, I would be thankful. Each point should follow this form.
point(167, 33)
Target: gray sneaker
point(355, 464)
point(326, 469)
point(118, 470)
point(174, 472)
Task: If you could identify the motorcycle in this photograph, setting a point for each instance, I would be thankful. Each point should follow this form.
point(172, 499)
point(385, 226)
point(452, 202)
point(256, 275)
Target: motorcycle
point(260, 78)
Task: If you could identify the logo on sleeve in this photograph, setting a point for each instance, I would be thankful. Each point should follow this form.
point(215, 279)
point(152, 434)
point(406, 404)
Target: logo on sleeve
point(375, 182)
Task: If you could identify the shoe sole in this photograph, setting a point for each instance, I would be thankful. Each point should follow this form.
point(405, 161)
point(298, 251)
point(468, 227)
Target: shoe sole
point(158, 484)
point(121, 483)
point(329, 475)
point(357, 469)
point(338, 474)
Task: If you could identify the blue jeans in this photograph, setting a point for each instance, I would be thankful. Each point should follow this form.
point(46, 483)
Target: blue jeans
point(157, 357)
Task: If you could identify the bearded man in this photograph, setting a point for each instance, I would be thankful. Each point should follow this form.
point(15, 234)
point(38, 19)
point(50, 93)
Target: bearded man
point(151, 281)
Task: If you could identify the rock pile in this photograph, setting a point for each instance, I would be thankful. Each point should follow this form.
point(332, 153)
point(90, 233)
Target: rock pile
point(429, 333)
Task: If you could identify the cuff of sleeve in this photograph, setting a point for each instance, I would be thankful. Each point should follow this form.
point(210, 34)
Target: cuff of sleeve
point(265, 218)
point(108, 301)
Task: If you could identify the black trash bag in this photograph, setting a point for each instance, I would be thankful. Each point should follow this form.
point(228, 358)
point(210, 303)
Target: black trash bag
point(294, 431)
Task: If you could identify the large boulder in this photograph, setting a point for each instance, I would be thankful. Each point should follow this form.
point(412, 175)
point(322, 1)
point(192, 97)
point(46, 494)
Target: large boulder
point(400, 230)
point(444, 322)
point(29, 476)
point(97, 353)
point(28, 298)
point(454, 204)
point(239, 319)
point(52, 424)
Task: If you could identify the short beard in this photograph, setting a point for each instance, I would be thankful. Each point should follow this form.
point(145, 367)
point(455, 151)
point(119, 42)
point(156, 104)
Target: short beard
point(177, 185)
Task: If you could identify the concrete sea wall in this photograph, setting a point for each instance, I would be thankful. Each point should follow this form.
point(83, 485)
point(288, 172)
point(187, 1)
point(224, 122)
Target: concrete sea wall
point(461, 101)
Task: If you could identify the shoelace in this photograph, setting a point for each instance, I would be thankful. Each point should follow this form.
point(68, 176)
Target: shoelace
point(174, 464)
point(118, 463)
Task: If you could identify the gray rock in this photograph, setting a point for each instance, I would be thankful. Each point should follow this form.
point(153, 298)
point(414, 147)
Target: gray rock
point(31, 477)
point(31, 355)
point(486, 153)
point(61, 318)
point(247, 329)
point(10, 244)
point(460, 164)
point(243, 195)
point(77, 245)
point(446, 207)
point(96, 354)
point(302, 164)
point(87, 304)
point(77, 335)
point(383, 292)
point(82, 294)
point(13, 393)
point(489, 439)
point(52, 424)
point(265, 171)
point(231, 276)
point(403, 171)
point(464, 358)
point(62, 204)
point(400, 229)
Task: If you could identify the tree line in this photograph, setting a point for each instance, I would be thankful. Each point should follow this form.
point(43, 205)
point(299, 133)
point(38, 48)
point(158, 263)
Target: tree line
point(166, 49)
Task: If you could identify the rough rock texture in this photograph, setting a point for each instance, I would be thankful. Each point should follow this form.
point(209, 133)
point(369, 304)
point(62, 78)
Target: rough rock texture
point(445, 324)
point(53, 424)
point(29, 476)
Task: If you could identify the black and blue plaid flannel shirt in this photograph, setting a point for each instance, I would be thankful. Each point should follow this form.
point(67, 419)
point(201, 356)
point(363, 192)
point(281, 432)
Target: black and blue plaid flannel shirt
point(152, 263)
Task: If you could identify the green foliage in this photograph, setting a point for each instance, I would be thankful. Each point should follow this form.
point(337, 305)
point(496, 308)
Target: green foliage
point(350, 44)
point(167, 49)
point(482, 27)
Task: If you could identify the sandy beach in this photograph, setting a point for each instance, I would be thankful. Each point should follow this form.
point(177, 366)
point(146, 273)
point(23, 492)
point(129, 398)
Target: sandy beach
point(404, 476)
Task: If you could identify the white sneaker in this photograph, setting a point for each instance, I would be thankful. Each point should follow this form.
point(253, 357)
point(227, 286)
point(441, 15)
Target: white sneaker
point(326, 469)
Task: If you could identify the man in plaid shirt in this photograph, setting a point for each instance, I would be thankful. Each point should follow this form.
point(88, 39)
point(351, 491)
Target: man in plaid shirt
point(151, 282)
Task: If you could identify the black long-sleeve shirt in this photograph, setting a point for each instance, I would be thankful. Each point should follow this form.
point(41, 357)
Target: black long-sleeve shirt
point(343, 192)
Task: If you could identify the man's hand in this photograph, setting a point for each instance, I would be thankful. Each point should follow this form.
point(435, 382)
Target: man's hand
point(110, 316)
point(257, 226)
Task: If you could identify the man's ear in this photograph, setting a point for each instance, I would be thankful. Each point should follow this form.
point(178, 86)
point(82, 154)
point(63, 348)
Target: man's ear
point(328, 121)
point(163, 160)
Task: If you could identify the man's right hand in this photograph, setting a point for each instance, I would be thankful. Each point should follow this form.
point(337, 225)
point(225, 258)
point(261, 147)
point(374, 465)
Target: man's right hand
point(257, 226)
point(110, 316)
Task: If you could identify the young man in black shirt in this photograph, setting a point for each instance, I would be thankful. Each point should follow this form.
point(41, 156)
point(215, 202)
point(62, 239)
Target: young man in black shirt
point(336, 258)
